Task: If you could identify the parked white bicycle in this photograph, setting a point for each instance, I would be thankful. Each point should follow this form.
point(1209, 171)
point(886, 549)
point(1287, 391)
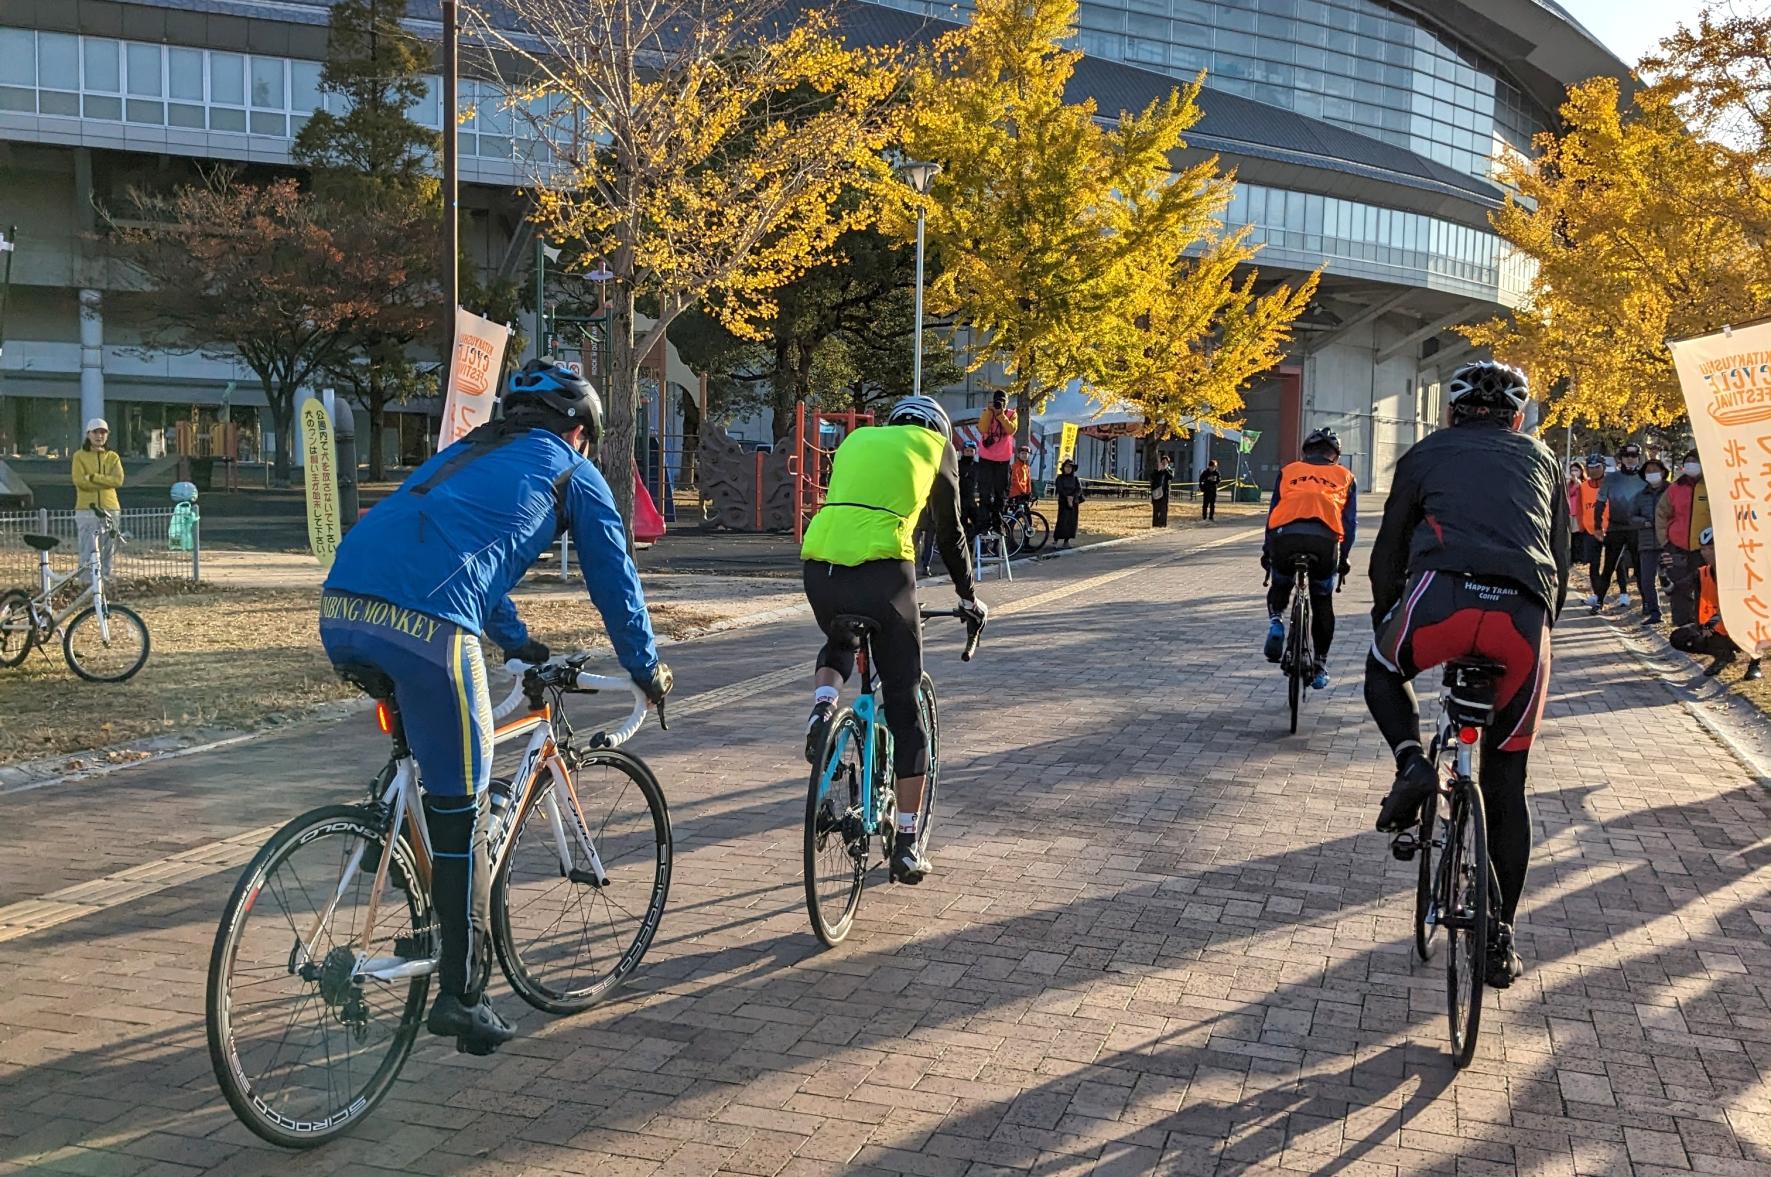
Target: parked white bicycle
point(321, 965)
point(102, 640)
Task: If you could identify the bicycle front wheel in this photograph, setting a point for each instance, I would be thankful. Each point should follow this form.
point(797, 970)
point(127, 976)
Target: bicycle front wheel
point(925, 702)
point(18, 629)
point(1038, 530)
point(107, 646)
point(304, 1043)
point(1426, 914)
point(567, 935)
point(1467, 944)
point(836, 838)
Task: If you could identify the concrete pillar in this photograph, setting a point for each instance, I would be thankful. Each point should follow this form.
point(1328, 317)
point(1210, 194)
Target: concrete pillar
point(92, 356)
point(1201, 452)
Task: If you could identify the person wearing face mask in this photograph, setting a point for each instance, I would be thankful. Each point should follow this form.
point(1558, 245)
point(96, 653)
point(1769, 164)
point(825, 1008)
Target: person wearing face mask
point(1591, 520)
point(1680, 518)
point(1615, 505)
point(1577, 537)
point(1654, 484)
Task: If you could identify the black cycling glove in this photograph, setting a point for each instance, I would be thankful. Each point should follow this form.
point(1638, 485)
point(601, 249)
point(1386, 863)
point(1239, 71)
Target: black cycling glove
point(657, 684)
point(531, 651)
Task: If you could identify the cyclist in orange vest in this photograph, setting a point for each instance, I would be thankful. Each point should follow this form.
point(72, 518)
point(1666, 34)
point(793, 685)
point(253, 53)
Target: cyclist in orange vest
point(1315, 503)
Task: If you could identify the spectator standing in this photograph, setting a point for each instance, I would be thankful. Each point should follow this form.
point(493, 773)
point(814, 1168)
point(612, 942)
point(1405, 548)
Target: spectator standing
point(1707, 635)
point(1616, 506)
point(97, 473)
point(1070, 496)
point(996, 448)
point(1577, 536)
point(1020, 477)
point(1209, 478)
point(968, 488)
point(1680, 519)
point(1161, 479)
point(1592, 523)
point(1654, 484)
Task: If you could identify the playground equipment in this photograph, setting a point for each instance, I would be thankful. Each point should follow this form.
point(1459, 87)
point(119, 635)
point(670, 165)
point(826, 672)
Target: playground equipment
point(778, 489)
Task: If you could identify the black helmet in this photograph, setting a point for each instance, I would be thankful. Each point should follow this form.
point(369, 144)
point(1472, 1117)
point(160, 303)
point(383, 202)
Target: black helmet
point(1489, 384)
point(1321, 437)
point(545, 384)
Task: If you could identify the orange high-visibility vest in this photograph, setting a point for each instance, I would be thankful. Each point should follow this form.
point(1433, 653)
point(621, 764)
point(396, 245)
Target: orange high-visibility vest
point(1708, 600)
point(1316, 491)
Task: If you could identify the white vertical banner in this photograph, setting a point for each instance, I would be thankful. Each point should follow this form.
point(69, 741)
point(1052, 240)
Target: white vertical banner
point(473, 375)
point(1726, 379)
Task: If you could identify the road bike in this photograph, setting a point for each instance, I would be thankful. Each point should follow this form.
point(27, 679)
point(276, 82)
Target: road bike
point(323, 959)
point(1025, 529)
point(851, 797)
point(101, 640)
point(1457, 884)
point(1298, 662)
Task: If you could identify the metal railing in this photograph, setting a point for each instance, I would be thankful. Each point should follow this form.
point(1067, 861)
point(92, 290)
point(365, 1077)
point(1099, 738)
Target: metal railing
point(149, 554)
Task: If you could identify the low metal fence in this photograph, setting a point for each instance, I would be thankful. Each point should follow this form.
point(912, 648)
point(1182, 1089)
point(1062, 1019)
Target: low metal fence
point(150, 552)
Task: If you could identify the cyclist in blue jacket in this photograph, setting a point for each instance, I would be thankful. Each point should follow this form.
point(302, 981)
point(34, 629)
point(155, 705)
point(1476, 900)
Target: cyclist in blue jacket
point(424, 574)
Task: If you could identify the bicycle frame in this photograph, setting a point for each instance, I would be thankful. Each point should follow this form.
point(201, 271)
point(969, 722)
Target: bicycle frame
point(866, 709)
point(541, 759)
point(94, 592)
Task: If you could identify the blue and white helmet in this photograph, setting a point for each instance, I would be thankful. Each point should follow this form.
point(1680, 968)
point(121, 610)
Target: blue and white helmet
point(921, 410)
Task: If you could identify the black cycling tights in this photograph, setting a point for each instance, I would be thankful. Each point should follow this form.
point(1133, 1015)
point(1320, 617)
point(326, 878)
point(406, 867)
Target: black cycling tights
point(1391, 700)
point(884, 590)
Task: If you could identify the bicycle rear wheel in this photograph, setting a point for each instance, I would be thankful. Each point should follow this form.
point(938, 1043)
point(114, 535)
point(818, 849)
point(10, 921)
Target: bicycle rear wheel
point(1467, 942)
point(565, 939)
point(106, 648)
point(303, 1045)
point(1297, 655)
point(18, 629)
point(836, 838)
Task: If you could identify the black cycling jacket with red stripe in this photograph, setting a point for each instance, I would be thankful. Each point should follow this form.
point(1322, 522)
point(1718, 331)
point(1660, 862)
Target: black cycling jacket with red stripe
point(1480, 499)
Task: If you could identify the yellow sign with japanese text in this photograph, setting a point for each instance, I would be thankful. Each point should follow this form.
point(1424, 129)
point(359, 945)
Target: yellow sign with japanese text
point(320, 463)
point(1067, 444)
point(1726, 379)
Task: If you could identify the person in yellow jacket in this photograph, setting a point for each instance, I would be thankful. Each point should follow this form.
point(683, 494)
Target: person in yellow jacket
point(858, 554)
point(98, 472)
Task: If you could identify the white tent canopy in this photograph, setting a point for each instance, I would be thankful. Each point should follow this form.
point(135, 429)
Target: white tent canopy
point(1074, 405)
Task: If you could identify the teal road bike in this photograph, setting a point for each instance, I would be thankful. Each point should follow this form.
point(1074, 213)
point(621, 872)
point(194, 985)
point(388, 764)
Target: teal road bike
point(852, 797)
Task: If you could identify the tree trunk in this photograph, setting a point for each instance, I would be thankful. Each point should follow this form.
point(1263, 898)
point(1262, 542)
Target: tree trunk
point(377, 394)
point(1024, 415)
point(622, 422)
point(685, 471)
point(282, 405)
point(783, 390)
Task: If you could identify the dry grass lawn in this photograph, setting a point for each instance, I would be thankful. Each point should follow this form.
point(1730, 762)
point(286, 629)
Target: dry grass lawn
point(1114, 518)
point(227, 659)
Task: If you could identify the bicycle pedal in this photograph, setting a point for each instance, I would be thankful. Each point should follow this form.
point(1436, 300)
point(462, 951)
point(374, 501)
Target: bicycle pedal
point(480, 1049)
point(1404, 845)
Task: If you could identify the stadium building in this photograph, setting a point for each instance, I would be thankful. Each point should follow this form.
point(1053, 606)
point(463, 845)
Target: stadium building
point(1361, 133)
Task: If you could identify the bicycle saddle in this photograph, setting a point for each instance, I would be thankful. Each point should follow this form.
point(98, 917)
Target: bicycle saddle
point(1472, 672)
point(42, 543)
point(371, 680)
point(847, 630)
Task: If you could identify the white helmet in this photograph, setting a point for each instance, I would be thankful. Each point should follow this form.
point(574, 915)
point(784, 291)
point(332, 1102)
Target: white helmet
point(921, 410)
point(1490, 383)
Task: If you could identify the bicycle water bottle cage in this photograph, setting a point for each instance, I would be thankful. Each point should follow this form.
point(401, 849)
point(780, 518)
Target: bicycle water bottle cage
point(847, 630)
point(42, 543)
point(1469, 692)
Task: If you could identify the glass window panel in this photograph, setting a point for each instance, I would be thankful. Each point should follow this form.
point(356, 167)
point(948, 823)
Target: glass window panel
point(1236, 213)
point(18, 98)
point(304, 85)
point(267, 84)
point(103, 66)
point(1158, 7)
point(1197, 36)
point(1095, 16)
point(58, 61)
point(51, 102)
point(1145, 49)
point(270, 124)
point(18, 60)
point(1139, 25)
point(1242, 22)
point(95, 107)
point(1269, 49)
point(1191, 60)
point(1369, 232)
point(178, 115)
point(144, 71)
point(495, 147)
point(1199, 10)
point(1294, 211)
point(1234, 42)
point(223, 119)
point(1232, 67)
point(1313, 215)
point(143, 111)
point(227, 80)
point(184, 74)
point(467, 144)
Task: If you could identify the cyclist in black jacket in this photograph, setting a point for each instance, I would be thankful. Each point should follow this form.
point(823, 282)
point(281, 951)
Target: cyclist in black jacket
point(1471, 561)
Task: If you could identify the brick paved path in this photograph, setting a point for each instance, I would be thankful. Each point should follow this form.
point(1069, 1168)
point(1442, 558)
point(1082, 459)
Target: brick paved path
point(1161, 940)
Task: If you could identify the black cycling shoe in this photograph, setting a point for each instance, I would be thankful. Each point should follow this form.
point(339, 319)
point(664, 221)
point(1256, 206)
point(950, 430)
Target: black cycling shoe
point(1415, 781)
point(477, 1029)
point(908, 863)
point(1504, 963)
point(817, 730)
point(1753, 672)
point(1721, 663)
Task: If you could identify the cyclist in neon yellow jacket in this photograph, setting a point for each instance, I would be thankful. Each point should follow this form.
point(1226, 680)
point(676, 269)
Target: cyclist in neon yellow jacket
point(859, 560)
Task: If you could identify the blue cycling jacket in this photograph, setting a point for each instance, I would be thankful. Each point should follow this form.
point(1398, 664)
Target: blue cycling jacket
point(461, 531)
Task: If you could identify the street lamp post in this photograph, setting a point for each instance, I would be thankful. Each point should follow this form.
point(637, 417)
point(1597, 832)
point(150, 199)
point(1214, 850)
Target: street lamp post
point(8, 243)
point(919, 174)
point(450, 247)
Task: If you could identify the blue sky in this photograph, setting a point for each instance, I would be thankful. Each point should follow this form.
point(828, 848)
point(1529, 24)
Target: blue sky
point(1631, 28)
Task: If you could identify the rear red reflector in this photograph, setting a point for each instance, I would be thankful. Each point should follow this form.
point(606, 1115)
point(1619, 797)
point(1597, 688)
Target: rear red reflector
point(1465, 735)
point(383, 718)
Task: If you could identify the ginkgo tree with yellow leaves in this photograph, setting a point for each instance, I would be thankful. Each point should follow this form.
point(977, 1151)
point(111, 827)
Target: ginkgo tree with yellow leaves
point(1647, 220)
point(702, 150)
point(1076, 250)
